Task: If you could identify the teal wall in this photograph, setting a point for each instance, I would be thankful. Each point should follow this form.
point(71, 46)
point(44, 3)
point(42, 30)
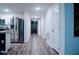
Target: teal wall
point(71, 42)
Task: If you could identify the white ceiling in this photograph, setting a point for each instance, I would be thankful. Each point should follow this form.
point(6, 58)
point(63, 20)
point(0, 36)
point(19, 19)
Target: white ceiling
point(29, 7)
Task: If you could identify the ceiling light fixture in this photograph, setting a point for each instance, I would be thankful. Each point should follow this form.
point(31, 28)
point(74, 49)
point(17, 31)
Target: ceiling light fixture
point(6, 10)
point(38, 8)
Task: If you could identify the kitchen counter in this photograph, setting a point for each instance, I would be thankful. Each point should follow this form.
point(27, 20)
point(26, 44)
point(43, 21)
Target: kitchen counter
point(5, 31)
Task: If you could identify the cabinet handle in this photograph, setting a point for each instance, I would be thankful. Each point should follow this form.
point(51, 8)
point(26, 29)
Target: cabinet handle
point(2, 41)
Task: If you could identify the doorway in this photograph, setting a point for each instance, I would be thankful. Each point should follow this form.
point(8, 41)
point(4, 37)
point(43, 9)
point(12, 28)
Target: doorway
point(34, 25)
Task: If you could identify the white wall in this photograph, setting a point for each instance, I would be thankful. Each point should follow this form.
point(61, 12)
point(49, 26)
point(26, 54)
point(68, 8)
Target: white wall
point(41, 28)
point(27, 27)
point(62, 28)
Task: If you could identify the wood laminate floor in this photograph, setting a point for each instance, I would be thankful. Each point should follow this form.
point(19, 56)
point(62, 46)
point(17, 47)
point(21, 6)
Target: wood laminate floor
point(35, 46)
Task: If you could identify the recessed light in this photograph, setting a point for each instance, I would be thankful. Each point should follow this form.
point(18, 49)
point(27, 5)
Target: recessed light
point(38, 8)
point(6, 10)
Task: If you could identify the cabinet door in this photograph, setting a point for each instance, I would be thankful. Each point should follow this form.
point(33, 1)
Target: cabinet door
point(2, 41)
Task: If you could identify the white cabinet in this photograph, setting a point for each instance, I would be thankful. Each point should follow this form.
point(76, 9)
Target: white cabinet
point(8, 42)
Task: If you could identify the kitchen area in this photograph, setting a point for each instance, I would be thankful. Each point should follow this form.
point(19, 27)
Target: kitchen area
point(11, 33)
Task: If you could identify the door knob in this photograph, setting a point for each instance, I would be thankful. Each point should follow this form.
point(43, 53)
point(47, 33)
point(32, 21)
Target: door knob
point(53, 30)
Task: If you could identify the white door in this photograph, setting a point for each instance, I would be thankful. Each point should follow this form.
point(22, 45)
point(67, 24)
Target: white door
point(55, 28)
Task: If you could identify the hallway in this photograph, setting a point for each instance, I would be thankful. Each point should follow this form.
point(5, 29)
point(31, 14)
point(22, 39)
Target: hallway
point(39, 18)
point(35, 46)
point(56, 25)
